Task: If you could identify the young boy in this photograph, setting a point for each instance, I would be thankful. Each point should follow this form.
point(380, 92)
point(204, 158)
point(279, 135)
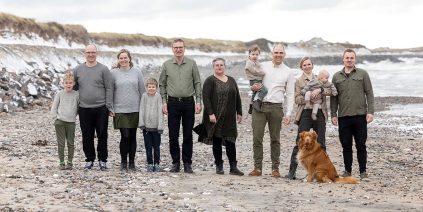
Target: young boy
point(64, 110)
point(255, 74)
point(151, 123)
point(320, 83)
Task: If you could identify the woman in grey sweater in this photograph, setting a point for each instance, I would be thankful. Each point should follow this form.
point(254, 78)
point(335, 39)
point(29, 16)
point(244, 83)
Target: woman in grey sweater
point(128, 87)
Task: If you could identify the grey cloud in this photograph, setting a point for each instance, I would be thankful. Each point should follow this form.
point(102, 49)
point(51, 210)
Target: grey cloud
point(78, 10)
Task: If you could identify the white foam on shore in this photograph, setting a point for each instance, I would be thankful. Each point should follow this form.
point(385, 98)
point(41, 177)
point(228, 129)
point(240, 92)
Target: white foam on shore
point(407, 119)
point(389, 78)
point(409, 110)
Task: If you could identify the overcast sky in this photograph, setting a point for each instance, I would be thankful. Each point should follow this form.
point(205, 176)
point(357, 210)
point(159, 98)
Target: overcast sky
point(373, 23)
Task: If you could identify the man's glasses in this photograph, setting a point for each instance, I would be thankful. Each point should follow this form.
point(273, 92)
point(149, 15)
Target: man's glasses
point(90, 52)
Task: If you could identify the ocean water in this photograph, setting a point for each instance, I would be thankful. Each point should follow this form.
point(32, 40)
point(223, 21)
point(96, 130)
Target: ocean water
point(388, 78)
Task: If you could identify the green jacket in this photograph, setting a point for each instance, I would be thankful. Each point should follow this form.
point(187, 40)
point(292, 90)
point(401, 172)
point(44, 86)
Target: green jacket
point(355, 94)
point(180, 80)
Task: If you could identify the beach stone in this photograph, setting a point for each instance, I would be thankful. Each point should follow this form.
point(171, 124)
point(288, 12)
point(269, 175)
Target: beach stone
point(32, 89)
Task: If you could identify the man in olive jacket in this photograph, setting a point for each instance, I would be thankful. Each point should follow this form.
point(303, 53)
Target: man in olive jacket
point(352, 109)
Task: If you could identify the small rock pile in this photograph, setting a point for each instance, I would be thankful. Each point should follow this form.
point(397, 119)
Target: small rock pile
point(25, 90)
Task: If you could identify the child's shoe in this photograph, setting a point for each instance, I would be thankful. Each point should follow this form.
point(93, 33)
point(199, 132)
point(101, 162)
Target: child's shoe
point(257, 105)
point(69, 166)
point(150, 168)
point(62, 166)
point(157, 168)
point(250, 108)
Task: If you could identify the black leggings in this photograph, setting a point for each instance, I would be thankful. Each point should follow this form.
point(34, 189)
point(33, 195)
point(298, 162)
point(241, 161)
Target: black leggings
point(217, 151)
point(128, 144)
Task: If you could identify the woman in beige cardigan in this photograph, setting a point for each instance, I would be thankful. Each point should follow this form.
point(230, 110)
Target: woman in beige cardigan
point(303, 115)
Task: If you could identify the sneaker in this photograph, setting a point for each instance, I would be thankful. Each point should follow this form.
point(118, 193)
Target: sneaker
point(346, 174)
point(103, 165)
point(364, 175)
point(150, 168)
point(255, 172)
point(69, 166)
point(88, 165)
point(157, 168)
point(275, 173)
point(62, 166)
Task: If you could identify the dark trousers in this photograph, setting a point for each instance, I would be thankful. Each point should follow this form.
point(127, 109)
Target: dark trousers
point(306, 123)
point(94, 120)
point(217, 151)
point(128, 144)
point(152, 143)
point(349, 127)
point(178, 110)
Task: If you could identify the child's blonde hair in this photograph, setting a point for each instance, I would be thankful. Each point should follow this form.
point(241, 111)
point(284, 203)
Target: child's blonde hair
point(325, 73)
point(253, 49)
point(152, 81)
point(68, 76)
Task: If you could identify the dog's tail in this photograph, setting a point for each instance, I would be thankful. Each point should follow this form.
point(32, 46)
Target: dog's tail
point(346, 180)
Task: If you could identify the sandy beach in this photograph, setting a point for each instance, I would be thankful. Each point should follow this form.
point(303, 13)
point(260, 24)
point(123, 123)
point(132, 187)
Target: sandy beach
point(30, 178)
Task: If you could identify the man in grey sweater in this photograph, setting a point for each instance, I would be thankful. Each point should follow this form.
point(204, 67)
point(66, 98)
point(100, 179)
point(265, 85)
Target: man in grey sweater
point(93, 80)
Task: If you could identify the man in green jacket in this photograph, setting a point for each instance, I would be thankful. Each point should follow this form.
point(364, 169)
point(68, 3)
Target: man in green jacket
point(352, 110)
point(180, 84)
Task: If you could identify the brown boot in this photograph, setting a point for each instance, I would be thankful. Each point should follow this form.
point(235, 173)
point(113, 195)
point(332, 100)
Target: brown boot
point(275, 173)
point(255, 172)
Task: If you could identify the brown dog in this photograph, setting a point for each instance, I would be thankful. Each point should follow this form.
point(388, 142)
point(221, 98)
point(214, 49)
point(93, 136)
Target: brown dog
point(317, 162)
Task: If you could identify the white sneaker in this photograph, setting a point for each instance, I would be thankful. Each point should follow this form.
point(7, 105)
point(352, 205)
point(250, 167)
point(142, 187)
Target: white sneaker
point(103, 166)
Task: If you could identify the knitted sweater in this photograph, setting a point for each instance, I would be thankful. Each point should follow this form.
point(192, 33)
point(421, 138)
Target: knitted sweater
point(94, 85)
point(150, 115)
point(316, 84)
point(128, 87)
point(65, 106)
point(253, 70)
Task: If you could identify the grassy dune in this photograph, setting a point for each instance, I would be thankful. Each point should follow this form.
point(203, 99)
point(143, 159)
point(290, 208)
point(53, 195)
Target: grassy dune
point(78, 34)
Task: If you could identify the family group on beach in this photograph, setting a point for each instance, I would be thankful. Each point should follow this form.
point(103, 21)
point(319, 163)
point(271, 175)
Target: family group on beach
point(94, 92)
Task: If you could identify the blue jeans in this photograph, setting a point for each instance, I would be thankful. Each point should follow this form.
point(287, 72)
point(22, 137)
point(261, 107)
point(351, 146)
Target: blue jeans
point(152, 142)
point(178, 110)
point(261, 93)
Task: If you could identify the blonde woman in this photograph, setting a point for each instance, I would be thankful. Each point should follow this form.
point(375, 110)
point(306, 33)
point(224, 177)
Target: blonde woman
point(128, 87)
